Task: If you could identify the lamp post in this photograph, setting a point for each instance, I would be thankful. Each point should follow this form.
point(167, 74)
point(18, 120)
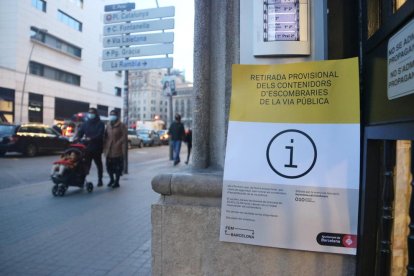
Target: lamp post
point(37, 31)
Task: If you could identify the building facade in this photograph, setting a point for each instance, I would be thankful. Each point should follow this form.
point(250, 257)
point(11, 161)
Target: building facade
point(147, 101)
point(50, 61)
point(145, 96)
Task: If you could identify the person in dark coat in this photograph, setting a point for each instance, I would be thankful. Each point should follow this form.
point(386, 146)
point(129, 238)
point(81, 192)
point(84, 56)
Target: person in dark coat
point(115, 144)
point(176, 131)
point(188, 139)
point(92, 132)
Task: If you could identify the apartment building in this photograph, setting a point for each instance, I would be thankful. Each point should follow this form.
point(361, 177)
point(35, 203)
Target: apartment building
point(147, 101)
point(50, 61)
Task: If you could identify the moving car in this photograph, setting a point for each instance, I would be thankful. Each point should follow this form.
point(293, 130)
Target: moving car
point(149, 137)
point(133, 139)
point(30, 139)
point(164, 136)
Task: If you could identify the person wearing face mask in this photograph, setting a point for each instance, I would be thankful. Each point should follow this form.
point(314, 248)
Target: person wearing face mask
point(92, 132)
point(115, 141)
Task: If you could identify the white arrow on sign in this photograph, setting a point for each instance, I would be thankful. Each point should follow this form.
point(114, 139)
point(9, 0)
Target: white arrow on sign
point(138, 27)
point(126, 40)
point(136, 15)
point(140, 51)
point(137, 64)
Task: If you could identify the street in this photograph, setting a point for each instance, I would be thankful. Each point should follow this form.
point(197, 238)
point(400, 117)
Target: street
point(107, 232)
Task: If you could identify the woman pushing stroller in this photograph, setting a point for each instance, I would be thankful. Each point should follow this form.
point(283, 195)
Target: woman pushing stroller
point(115, 141)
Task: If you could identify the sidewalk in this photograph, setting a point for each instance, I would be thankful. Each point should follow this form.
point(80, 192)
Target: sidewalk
point(107, 232)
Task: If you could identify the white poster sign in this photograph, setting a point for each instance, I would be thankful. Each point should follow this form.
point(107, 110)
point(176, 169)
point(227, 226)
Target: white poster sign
point(291, 175)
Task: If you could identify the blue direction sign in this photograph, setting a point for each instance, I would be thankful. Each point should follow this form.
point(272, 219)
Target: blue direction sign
point(138, 27)
point(126, 40)
point(139, 51)
point(120, 7)
point(137, 64)
point(136, 15)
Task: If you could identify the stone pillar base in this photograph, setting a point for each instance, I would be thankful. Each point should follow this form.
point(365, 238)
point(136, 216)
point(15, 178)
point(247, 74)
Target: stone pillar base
point(185, 237)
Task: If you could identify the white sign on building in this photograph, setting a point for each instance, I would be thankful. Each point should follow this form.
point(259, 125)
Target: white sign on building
point(297, 185)
point(400, 75)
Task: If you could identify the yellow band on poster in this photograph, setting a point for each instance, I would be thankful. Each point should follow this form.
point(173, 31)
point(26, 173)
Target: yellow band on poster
point(309, 92)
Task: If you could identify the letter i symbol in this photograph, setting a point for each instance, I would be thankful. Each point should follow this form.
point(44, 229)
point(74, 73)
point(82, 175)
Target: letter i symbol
point(290, 148)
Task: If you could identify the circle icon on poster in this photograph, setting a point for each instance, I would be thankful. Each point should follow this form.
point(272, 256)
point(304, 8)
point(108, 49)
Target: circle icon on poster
point(291, 153)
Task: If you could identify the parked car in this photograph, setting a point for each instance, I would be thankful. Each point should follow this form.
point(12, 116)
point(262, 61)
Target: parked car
point(30, 139)
point(164, 136)
point(149, 137)
point(133, 139)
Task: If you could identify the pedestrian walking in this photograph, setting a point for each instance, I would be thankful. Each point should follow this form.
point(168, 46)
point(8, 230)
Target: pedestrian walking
point(115, 140)
point(188, 139)
point(91, 132)
point(176, 131)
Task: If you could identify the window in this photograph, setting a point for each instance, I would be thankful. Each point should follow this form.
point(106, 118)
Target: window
point(118, 91)
point(54, 42)
point(35, 108)
point(78, 3)
point(102, 110)
point(70, 21)
point(398, 4)
point(39, 4)
point(53, 73)
point(65, 109)
point(50, 131)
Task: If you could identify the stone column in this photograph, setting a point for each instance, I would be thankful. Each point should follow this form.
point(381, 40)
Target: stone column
point(201, 84)
point(216, 48)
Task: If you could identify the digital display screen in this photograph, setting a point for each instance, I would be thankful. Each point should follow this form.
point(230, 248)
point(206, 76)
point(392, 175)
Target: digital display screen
point(281, 20)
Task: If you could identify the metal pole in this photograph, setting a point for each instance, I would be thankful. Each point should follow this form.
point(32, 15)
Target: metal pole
point(26, 73)
point(24, 82)
point(126, 112)
point(170, 105)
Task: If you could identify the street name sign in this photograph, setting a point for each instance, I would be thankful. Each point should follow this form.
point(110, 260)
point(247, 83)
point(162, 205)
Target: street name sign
point(119, 7)
point(139, 51)
point(136, 15)
point(137, 64)
point(127, 40)
point(140, 26)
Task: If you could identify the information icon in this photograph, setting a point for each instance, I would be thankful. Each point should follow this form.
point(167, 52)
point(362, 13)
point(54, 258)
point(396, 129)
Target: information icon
point(291, 153)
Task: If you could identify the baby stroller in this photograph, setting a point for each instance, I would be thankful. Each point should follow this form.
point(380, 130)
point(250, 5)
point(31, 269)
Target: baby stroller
point(70, 170)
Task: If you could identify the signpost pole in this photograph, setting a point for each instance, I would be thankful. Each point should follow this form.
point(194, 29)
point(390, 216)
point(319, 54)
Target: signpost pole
point(126, 111)
point(126, 114)
point(170, 106)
